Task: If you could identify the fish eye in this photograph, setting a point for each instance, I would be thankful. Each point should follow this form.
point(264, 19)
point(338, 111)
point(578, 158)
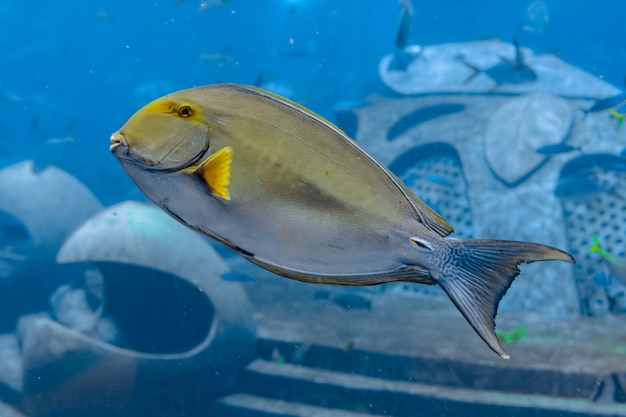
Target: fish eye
point(185, 110)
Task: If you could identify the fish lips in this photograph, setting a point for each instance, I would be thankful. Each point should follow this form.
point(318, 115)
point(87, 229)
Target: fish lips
point(120, 150)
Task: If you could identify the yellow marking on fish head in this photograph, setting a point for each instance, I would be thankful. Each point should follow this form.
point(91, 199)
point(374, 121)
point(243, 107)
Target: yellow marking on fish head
point(168, 134)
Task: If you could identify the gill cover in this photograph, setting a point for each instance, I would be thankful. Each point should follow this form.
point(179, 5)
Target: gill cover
point(167, 136)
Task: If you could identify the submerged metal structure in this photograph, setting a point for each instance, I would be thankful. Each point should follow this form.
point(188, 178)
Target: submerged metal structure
point(505, 156)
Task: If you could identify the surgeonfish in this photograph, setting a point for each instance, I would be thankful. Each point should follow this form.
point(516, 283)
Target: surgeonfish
point(293, 194)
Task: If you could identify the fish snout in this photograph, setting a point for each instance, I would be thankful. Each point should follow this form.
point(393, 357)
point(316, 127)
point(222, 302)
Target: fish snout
point(117, 140)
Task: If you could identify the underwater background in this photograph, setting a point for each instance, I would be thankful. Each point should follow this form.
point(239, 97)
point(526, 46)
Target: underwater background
point(505, 117)
point(109, 59)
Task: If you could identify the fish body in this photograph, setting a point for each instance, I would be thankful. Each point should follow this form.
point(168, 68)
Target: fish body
point(292, 193)
point(403, 36)
point(557, 149)
point(606, 103)
point(405, 52)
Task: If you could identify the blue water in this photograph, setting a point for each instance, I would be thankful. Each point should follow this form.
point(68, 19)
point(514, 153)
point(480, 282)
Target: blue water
point(85, 67)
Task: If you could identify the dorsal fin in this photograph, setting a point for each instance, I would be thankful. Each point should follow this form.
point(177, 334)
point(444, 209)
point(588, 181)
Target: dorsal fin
point(429, 217)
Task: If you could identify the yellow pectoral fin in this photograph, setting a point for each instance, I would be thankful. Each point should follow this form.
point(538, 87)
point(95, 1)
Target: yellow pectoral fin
point(215, 172)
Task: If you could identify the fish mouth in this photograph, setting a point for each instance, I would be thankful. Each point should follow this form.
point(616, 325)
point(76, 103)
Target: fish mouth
point(117, 140)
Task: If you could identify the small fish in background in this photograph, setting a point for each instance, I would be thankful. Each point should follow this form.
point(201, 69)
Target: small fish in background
point(557, 149)
point(347, 346)
point(403, 37)
point(619, 116)
point(614, 286)
point(606, 103)
point(507, 72)
point(511, 336)
point(595, 248)
point(52, 152)
point(438, 179)
point(351, 301)
point(278, 357)
point(405, 51)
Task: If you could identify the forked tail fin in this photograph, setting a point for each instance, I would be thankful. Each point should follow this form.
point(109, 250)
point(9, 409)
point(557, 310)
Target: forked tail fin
point(476, 273)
